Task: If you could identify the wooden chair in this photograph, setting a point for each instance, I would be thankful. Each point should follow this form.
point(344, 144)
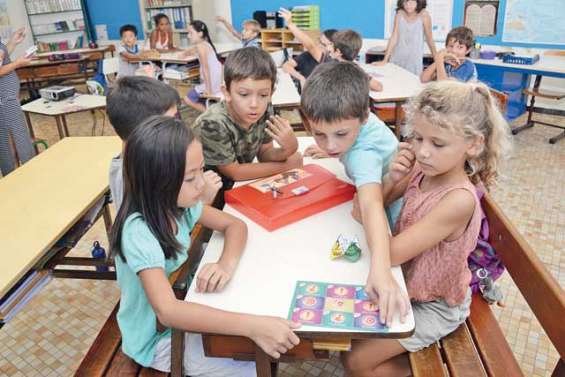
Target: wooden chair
point(478, 347)
point(536, 92)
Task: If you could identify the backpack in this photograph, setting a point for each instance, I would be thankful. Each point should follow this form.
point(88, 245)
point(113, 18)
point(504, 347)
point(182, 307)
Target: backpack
point(484, 262)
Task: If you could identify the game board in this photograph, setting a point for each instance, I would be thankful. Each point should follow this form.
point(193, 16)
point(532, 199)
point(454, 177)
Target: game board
point(334, 306)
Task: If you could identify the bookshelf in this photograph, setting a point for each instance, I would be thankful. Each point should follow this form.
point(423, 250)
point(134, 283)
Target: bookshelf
point(178, 11)
point(56, 24)
point(277, 39)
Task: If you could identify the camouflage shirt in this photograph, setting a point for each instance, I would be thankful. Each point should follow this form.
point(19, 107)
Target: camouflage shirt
point(224, 141)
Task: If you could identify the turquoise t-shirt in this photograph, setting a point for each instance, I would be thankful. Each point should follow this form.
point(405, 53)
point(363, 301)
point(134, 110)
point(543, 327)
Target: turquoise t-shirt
point(136, 318)
point(368, 158)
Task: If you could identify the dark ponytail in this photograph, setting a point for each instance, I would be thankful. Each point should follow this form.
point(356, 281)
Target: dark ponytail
point(201, 27)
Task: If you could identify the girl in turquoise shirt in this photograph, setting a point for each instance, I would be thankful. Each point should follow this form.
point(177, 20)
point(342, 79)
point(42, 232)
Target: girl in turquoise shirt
point(163, 183)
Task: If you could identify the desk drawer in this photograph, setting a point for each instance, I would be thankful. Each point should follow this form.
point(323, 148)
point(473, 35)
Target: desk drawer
point(65, 69)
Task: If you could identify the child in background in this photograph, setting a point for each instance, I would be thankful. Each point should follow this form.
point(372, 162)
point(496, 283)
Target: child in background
point(249, 35)
point(210, 66)
point(242, 127)
point(412, 23)
point(132, 100)
point(128, 49)
point(452, 61)
point(302, 66)
point(458, 139)
point(163, 173)
point(161, 39)
point(335, 100)
point(346, 46)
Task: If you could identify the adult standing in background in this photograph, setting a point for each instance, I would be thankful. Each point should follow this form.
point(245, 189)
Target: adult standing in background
point(12, 123)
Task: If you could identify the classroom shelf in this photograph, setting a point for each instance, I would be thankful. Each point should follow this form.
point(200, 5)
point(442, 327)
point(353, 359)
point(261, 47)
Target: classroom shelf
point(277, 39)
point(181, 13)
point(62, 11)
point(60, 32)
point(167, 6)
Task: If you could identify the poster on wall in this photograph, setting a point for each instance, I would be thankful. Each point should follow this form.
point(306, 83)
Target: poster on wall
point(5, 28)
point(440, 11)
point(538, 22)
point(481, 16)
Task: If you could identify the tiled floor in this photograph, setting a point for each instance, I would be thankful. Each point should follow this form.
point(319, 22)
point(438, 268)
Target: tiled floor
point(54, 331)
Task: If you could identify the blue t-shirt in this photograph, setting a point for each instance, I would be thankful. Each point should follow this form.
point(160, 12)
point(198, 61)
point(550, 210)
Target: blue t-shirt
point(253, 42)
point(466, 71)
point(136, 318)
point(368, 158)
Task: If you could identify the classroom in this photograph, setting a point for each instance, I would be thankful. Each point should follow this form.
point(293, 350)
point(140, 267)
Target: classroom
point(282, 188)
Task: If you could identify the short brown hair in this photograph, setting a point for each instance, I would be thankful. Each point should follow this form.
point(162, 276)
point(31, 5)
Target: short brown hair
point(256, 26)
point(348, 42)
point(461, 34)
point(249, 62)
point(421, 5)
point(336, 91)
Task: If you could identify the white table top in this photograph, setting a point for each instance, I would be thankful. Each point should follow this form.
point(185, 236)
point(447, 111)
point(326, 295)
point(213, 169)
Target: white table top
point(549, 64)
point(264, 281)
point(398, 83)
point(285, 93)
point(80, 102)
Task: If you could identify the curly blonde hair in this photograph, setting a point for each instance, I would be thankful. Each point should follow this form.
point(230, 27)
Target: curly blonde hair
point(469, 110)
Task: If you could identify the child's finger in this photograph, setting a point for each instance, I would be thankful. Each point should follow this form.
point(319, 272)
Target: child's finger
point(271, 134)
point(383, 307)
point(212, 282)
point(274, 124)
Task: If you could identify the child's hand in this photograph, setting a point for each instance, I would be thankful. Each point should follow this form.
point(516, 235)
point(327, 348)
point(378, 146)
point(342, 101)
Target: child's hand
point(356, 211)
point(286, 15)
point(384, 290)
point(220, 19)
point(403, 162)
point(281, 131)
point(213, 277)
point(22, 61)
point(315, 151)
point(294, 161)
point(212, 184)
point(274, 335)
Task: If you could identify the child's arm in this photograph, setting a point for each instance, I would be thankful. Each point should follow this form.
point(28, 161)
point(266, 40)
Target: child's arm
point(127, 56)
point(429, 74)
point(375, 85)
point(229, 26)
point(214, 276)
point(254, 170)
point(428, 32)
point(290, 68)
point(279, 130)
point(153, 40)
point(391, 42)
point(274, 335)
point(381, 285)
point(212, 184)
point(201, 50)
point(446, 220)
point(170, 40)
point(309, 45)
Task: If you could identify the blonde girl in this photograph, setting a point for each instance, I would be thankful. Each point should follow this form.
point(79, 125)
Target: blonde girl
point(457, 139)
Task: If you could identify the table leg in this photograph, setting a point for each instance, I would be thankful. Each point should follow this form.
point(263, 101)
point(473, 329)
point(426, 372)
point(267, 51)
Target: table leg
point(65, 125)
point(263, 363)
point(59, 127)
point(397, 109)
point(31, 133)
point(107, 217)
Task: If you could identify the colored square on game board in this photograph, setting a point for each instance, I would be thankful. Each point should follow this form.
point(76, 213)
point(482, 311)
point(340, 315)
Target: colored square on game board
point(360, 294)
point(338, 319)
point(338, 304)
point(310, 288)
point(309, 302)
point(307, 316)
point(368, 321)
point(340, 291)
point(365, 307)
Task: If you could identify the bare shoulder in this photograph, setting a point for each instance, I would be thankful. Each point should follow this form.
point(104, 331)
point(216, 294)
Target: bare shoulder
point(459, 203)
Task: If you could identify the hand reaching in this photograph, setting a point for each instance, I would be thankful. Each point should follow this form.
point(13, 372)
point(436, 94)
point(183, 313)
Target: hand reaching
point(383, 289)
point(274, 335)
point(286, 15)
point(281, 131)
point(315, 151)
point(212, 184)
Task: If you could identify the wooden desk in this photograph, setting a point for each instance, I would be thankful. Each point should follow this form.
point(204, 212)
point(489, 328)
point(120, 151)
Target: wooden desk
point(59, 109)
point(398, 86)
point(272, 263)
point(45, 197)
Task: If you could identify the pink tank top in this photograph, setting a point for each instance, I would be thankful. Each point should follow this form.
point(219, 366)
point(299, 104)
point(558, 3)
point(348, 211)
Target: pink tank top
point(440, 272)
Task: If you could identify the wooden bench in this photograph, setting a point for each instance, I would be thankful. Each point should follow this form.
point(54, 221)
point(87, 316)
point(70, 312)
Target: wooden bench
point(105, 357)
point(478, 348)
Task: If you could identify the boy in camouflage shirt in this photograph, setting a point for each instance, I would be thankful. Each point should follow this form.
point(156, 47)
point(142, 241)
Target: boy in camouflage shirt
point(242, 127)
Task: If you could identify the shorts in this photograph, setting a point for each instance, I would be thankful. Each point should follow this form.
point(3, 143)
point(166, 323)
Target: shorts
point(194, 96)
point(434, 320)
point(198, 365)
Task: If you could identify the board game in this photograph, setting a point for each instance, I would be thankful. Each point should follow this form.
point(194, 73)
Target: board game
point(334, 306)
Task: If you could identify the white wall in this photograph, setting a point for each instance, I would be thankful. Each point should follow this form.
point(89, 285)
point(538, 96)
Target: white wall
point(207, 11)
point(18, 19)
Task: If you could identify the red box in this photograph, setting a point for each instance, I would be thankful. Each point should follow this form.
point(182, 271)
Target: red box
point(324, 191)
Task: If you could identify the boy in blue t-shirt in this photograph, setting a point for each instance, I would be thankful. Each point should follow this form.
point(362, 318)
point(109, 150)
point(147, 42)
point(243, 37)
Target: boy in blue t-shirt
point(335, 102)
point(452, 62)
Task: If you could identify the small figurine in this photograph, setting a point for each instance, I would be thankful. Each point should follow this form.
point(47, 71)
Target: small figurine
point(349, 249)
